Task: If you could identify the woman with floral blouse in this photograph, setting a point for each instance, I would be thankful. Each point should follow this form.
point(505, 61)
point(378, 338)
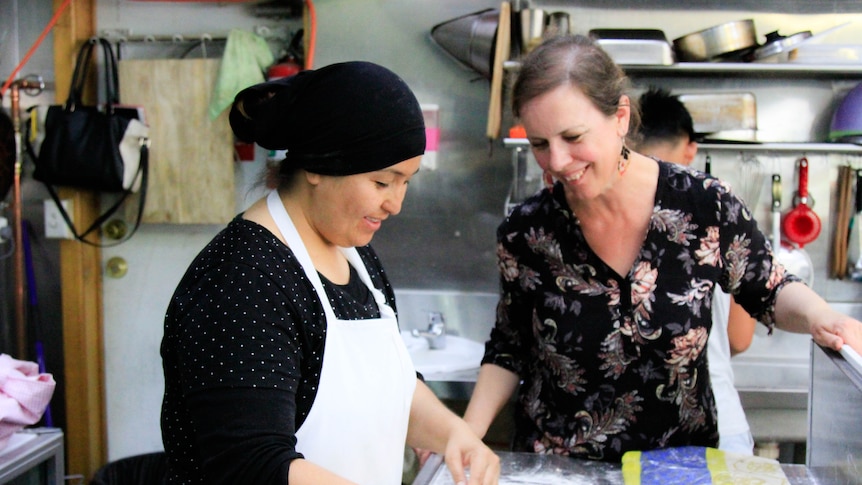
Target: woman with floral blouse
point(607, 277)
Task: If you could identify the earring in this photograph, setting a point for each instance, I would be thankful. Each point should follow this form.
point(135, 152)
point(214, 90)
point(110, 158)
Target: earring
point(623, 164)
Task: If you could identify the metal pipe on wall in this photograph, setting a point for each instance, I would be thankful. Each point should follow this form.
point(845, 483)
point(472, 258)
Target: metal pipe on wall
point(20, 303)
point(17, 227)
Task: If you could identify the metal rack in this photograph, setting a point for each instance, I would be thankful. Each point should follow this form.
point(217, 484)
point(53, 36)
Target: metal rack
point(766, 147)
point(126, 36)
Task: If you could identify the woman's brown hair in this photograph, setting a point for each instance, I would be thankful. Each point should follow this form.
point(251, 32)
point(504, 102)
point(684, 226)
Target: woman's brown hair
point(573, 60)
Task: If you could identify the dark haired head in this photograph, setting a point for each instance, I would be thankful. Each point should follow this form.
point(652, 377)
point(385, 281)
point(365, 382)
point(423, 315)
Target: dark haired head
point(664, 117)
point(342, 119)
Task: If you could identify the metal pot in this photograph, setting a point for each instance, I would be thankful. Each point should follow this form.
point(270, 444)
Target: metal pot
point(777, 47)
point(731, 38)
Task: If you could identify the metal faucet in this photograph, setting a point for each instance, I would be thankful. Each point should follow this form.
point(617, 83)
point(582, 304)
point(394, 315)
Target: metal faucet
point(436, 333)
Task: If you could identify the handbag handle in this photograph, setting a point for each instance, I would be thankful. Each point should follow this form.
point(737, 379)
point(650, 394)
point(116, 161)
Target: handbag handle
point(85, 53)
point(79, 76)
point(112, 76)
point(143, 173)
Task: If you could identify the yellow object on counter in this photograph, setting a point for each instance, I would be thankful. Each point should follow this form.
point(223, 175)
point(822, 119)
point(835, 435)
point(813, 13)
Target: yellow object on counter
point(693, 465)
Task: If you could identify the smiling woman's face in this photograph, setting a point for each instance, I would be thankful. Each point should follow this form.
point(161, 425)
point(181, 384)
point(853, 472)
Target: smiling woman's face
point(348, 210)
point(574, 141)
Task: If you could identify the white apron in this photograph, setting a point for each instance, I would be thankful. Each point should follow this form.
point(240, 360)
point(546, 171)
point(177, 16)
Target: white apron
point(357, 425)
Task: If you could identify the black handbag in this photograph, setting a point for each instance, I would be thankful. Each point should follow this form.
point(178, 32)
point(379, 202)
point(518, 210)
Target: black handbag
point(105, 150)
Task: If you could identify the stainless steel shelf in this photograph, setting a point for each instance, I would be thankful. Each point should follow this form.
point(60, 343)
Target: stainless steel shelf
point(784, 147)
point(748, 147)
point(755, 69)
point(749, 69)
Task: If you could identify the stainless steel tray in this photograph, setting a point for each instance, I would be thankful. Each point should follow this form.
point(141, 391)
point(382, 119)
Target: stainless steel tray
point(635, 46)
point(721, 112)
point(532, 469)
point(536, 469)
point(638, 51)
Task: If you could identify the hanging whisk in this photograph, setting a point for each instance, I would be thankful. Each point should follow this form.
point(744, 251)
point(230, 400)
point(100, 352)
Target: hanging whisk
point(752, 176)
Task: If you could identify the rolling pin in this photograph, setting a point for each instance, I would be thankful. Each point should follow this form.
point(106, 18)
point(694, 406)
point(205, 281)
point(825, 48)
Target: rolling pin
point(501, 54)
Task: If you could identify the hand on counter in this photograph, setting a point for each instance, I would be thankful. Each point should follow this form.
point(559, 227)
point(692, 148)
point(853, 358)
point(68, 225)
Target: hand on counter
point(434, 428)
point(799, 309)
point(465, 449)
point(843, 330)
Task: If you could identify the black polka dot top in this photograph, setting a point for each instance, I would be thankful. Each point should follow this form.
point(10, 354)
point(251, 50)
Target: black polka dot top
point(241, 353)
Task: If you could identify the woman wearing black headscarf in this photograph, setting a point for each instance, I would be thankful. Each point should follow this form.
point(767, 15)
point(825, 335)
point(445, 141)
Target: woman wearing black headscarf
point(282, 356)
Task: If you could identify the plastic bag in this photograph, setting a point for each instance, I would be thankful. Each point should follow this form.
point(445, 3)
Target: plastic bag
point(692, 465)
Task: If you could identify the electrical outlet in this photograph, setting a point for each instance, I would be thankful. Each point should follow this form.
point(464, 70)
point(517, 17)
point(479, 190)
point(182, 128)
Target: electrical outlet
point(55, 226)
point(5, 230)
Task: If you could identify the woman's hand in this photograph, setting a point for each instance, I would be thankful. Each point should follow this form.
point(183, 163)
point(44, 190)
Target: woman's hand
point(799, 309)
point(836, 329)
point(434, 427)
point(465, 449)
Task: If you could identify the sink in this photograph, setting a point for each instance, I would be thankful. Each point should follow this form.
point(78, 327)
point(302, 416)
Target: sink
point(460, 354)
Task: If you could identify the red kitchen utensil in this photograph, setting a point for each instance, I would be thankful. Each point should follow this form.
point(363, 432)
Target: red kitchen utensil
point(795, 260)
point(801, 225)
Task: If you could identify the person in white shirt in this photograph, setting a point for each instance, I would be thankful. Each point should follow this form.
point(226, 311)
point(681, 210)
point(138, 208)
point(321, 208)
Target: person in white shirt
point(667, 133)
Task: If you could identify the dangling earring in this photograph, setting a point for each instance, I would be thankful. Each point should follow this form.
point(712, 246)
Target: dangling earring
point(548, 179)
point(624, 159)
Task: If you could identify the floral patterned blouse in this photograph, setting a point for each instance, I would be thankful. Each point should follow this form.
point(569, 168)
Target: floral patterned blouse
point(611, 363)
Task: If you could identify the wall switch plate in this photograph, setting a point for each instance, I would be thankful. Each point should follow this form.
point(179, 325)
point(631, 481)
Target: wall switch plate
point(55, 226)
point(5, 230)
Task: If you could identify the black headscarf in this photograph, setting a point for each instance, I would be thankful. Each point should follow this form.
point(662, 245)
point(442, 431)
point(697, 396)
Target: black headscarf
point(342, 119)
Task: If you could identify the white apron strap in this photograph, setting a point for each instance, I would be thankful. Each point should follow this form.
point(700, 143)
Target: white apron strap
point(357, 425)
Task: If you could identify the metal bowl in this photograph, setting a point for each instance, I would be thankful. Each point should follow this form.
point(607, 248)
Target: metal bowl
point(470, 39)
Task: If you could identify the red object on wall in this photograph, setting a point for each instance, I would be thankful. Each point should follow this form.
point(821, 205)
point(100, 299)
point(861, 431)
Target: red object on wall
point(243, 152)
point(283, 69)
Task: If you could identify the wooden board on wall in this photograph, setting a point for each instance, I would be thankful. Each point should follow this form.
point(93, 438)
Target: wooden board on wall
point(191, 156)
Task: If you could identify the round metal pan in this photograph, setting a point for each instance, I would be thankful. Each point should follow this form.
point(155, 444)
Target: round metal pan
point(714, 43)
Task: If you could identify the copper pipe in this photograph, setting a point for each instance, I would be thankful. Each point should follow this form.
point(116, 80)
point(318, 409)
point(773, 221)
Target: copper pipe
point(17, 226)
point(36, 85)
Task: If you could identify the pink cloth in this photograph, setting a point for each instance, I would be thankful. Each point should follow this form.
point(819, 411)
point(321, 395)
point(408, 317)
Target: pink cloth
point(24, 395)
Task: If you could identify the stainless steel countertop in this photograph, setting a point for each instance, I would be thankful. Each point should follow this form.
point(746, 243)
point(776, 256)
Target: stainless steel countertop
point(556, 469)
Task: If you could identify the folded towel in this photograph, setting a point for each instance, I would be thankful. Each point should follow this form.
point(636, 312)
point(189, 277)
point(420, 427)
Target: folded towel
point(246, 55)
point(24, 395)
point(693, 465)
